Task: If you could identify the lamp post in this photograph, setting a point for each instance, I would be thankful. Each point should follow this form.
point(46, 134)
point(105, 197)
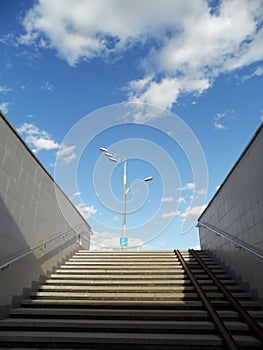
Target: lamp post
point(120, 159)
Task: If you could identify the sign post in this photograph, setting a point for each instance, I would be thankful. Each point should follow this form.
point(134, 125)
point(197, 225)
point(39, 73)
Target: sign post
point(124, 242)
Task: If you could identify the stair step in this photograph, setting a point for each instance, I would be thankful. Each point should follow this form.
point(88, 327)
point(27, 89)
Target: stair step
point(121, 265)
point(141, 326)
point(126, 252)
point(122, 338)
point(128, 288)
point(144, 277)
point(132, 279)
point(118, 295)
point(122, 262)
point(82, 280)
point(103, 282)
point(142, 294)
point(122, 314)
point(115, 313)
point(128, 270)
point(73, 285)
point(127, 256)
point(113, 302)
point(109, 338)
point(127, 313)
point(244, 303)
point(165, 259)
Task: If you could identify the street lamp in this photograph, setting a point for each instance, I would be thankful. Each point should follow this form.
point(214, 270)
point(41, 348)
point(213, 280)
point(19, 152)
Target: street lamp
point(120, 159)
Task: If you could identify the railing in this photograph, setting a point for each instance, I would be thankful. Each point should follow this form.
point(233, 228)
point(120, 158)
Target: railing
point(223, 234)
point(30, 251)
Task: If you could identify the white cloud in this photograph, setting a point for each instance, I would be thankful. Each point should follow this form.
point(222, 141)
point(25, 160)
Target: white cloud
point(165, 93)
point(171, 214)
point(4, 107)
point(47, 86)
point(195, 192)
point(111, 240)
point(190, 213)
point(115, 218)
point(40, 140)
point(168, 199)
point(219, 126)
point(162, 93)
point(189, 44)
point(4, 88)
point(180, 199)
point(66, 153)
point(200, 192)
point(257, 73)
point(37, 139)
point(86, 211)
point(42, 143)
point(79, 29)
point(76, 194)
point(190, 186)
point(221, 118)
point(193, 213)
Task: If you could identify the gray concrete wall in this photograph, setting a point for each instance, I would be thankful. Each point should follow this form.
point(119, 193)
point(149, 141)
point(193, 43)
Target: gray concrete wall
point(237, 209)
point(30, 215)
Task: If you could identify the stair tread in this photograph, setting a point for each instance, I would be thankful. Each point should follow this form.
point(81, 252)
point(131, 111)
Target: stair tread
point(105, 337)
point(111, 276)
point(114, 282)
point(125, 271)
point(70, 285)
point(131, 261)
point(186, 303)
point(148, 295)
point(114, 312)
point(128, 312)
point(133, 324)
point(108, 323)
point(124, 338)
point(121, 288)
point(90, 281)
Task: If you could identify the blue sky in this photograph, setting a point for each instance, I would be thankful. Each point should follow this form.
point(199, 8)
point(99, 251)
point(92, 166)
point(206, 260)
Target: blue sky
point(173, 86)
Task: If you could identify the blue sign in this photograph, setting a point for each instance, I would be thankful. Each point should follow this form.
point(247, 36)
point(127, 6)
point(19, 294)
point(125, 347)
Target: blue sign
point(124, 241)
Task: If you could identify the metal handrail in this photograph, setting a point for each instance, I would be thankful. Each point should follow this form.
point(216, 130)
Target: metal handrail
point(9, 262)
point(229, 238)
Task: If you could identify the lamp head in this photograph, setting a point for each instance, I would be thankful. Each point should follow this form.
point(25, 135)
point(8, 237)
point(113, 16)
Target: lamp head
point(108, 154)
point(149, 178)
point(102, 149)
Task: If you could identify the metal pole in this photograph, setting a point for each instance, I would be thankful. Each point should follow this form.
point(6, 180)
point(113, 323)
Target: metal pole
point(124, 202)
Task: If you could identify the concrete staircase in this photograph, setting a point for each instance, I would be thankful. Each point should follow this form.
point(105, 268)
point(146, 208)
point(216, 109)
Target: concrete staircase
point(130, 300)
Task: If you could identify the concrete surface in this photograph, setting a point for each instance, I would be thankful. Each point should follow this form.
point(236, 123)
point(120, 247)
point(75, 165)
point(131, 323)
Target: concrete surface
point(30, 215)
point(237, 209)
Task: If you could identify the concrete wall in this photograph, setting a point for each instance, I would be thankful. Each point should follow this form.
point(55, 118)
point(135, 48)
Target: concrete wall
point(237, 209)
point(30, 215)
